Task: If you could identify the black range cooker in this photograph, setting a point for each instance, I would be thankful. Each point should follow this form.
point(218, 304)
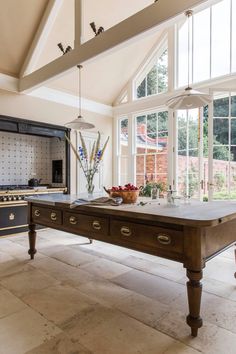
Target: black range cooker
point(14, 208)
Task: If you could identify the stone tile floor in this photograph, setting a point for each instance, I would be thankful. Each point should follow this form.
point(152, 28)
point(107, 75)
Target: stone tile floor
point(78, 298)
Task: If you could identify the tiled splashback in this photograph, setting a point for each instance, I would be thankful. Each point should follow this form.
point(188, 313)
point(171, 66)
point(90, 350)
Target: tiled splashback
point(26, 156)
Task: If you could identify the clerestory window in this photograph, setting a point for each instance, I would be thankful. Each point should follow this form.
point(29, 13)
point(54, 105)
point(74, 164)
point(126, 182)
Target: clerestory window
point(212, 44)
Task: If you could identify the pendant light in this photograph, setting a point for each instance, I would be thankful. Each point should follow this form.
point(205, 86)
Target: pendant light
point(80, 123)
point(189, 98)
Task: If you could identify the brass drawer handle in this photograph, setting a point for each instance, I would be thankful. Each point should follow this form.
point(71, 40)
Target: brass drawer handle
point(97, 225)
point(11, 217)
point(73, 220)
point(37, 212)
point(125, 231)
point(53, 216)
point(164, 239)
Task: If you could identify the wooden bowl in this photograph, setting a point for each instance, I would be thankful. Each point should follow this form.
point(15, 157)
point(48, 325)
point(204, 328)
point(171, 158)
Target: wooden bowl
point(129, 197)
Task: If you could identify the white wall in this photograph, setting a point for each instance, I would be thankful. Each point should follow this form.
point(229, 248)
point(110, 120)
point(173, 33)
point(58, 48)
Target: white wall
point(27, 107)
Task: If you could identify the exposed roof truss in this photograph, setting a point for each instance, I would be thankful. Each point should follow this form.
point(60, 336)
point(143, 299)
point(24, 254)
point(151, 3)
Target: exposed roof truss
point(132, 28)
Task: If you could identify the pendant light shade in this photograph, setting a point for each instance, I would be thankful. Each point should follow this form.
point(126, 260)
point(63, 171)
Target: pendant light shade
point(189, 98)
point(80, 123)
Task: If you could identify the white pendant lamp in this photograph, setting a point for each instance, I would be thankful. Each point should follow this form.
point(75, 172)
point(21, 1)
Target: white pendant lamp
point(80, 123)
point(189, 98)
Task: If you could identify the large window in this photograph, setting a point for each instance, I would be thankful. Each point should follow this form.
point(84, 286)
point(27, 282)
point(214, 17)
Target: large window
point(151, 143)
point(154, 79)
point(212, 49)
point(195, 150)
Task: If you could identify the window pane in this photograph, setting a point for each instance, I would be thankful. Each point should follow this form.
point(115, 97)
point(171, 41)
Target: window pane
point(161, 163)
point(221, 107)
point(152, 130)
point(183, 54)
point(141, 134)
point(201, 46)
point(193, 185)
point(150, 165)
point(234, 36)
point(124, 136)
point(123, 170)
point(152, 81)
point(182, 139)
point(233, 105)
point(140, 180)
point(163, 123)
point(220, 153)
point(221, 131)
point(162, 70)
point(233, 132)
point(141, 90)
point(193, 136)
point(233, 174)
point(140, 165)
point(221, 38)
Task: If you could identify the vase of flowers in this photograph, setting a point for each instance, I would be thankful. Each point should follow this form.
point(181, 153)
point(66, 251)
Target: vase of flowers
point(89, 162)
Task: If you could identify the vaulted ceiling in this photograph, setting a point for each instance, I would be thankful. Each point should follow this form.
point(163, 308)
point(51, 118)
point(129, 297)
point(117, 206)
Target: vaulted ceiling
point(103, 79)
point(19, 21)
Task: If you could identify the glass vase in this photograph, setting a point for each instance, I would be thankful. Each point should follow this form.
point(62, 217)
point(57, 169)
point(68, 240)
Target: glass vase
point(90, 188)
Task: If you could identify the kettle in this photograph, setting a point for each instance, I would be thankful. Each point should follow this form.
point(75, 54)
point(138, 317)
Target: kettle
point(34, 182)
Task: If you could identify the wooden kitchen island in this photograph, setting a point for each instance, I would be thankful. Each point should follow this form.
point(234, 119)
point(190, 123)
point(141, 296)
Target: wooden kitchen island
point(190, 234)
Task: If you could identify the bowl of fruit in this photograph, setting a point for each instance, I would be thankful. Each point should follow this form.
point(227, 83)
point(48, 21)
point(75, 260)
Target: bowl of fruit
point(129, 193)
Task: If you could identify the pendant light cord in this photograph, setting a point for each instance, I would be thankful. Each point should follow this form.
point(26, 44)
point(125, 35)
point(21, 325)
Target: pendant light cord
point(80, 99)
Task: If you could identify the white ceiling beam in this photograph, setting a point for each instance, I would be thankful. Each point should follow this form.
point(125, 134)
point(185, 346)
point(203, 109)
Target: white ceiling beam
point(67, 99)
point(41, 36)
point(135, 26)
point(8, 83)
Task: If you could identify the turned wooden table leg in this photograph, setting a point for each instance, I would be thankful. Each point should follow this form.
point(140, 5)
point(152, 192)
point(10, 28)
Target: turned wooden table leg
point(32, 240)
point(194, 288)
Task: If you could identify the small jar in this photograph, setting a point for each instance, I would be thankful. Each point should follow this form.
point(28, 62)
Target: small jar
point(155, 192)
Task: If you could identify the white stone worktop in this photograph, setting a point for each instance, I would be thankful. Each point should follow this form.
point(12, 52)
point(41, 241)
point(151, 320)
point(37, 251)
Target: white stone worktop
point(199, 213)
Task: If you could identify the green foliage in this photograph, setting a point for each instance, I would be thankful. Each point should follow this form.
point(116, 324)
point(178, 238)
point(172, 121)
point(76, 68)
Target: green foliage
point(146, 191)
point(219, 180)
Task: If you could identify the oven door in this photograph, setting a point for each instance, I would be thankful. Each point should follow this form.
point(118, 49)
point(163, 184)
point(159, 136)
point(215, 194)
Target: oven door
point(13, 216)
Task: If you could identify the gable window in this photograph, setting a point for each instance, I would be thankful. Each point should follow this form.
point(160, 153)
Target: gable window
point(154, 78)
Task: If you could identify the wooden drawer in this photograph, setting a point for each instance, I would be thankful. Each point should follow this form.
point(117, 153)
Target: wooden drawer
point(154, 237)
point(46, 215)
point(86, 225)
